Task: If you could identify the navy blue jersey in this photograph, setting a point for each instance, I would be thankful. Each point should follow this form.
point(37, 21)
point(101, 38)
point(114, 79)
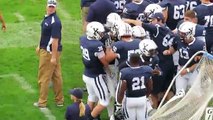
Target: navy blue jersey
point(186, 51)
point(191, 4)
point(99, 10)
point(119, 4)
point(86, 3)
point(163, 37)
point(136, 78)
point(124, 49)
point(72, 112)
point(200, 30)
point(205, 17)
point(134, 11)
point(150, 61)
point(176, 10)
point(153, 1)
point(90, 49)
point(50, 28)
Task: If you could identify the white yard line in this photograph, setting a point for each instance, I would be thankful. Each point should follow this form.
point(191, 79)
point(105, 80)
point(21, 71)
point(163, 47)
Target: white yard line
point(48, 113)
point(63, 12)
point(28, 88)
point(22, 82)
point(19, 16)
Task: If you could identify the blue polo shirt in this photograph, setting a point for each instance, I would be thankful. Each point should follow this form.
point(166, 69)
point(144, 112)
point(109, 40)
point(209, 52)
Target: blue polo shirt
point(50, 28)
point(99, 10)
point(72, 112)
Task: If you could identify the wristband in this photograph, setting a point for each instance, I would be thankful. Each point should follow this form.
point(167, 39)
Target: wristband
point(188, 70)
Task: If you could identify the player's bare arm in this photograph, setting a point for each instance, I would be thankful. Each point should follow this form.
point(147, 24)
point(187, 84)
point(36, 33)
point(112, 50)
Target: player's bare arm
point(121, 91)
point(54, 50)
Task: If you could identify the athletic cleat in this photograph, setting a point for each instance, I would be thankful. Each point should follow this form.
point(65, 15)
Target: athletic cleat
point(36, 104)
point(60, 105)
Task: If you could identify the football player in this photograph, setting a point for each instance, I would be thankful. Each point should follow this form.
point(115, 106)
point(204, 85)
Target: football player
point(135, 9)
point(149, 57)
point(121, 49)
point(99, 10)
point(136, 84)
point(150, 10)
point(112, 24)
point(190, 16)
point(163, 37)
point(191, 4)
point(187, 46)
point(84, 10)
point(204, 14)
point(173, 11)
point(94, 74)
point(119, 4)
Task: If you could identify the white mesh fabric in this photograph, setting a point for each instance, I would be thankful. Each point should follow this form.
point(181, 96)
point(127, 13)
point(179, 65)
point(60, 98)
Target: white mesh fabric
point(193, 104)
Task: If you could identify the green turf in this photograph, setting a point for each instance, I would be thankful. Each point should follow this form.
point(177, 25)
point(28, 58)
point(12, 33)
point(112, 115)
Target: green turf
point(17, 56)
point(17, 46)
point(16, 102)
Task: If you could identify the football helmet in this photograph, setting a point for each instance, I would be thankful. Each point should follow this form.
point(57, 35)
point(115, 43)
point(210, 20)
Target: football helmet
point(152, 9)
point(94, 30)
point(138, 31)
point(124, 30)
point(111, 19)
point(187, 30)
point(148, 47)
point(112, 23)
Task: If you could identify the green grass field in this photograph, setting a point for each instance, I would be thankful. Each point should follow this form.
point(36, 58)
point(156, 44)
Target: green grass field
point(19, 63)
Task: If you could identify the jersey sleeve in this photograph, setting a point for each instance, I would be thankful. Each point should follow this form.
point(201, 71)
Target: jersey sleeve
point(116, 47)
point(148, 73)
point(153, 29)
point(99, 51)
point(201, 45)
point(175, 42)
point(164, 4)
point(56, 30)
point(122, 74)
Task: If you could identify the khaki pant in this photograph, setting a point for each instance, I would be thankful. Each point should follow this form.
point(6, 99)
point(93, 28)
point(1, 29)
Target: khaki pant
point(48, 72)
